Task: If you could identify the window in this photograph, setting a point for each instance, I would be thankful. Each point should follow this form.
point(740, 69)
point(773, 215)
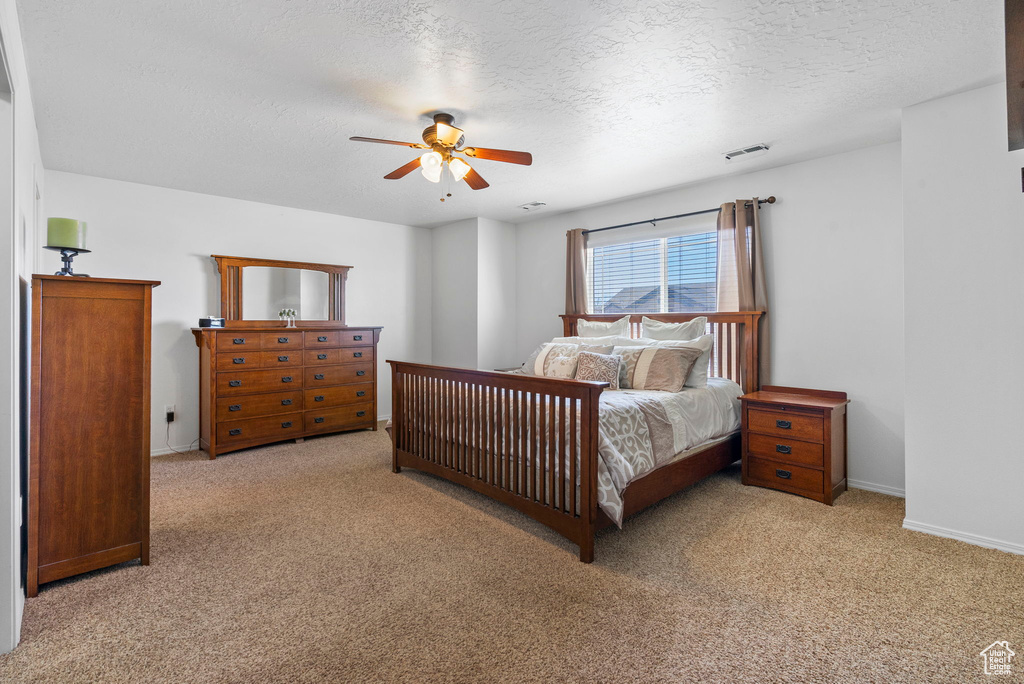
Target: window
point(666, 274)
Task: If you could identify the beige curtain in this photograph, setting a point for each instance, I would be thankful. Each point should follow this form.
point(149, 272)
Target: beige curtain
point(741, 279)
point(576, 272)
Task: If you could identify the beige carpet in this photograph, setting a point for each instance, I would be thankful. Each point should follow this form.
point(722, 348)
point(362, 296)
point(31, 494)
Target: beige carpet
point(314, 562)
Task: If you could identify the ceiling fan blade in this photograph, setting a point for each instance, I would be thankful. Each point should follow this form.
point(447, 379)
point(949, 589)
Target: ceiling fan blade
point(403, 171)
point(418, 146)
point(475, 180)
point(509, 156)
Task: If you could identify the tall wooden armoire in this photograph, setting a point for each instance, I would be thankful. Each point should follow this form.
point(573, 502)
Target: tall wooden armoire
point(89, 455)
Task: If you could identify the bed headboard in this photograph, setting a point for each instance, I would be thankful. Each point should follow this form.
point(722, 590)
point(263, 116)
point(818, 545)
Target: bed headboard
point(735, 355)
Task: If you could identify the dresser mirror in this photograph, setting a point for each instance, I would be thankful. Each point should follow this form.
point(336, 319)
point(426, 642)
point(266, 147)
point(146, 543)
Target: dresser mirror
point(254, 291)
point(267, 290)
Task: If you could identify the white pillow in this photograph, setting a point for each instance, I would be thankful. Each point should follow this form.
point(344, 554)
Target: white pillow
point(599, 328)
point(660, 330)
point(607, 341)
point(699, 375)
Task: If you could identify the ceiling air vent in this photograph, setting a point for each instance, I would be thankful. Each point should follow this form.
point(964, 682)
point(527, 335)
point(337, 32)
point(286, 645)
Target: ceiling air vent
point(752, 151)
point(532, 206)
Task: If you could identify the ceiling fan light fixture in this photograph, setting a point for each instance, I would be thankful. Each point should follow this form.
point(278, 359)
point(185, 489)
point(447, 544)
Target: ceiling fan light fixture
point(458, 168)
point(431, 164)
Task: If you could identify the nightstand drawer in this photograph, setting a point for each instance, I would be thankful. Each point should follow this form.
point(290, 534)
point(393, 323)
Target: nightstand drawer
point(788, 450)
point(783, 475)
point(786, 424)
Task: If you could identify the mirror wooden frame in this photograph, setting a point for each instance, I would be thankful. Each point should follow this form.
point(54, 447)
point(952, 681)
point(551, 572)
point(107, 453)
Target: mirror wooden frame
point(231, 273)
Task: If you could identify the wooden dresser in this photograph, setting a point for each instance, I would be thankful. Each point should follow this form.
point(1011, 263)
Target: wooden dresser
point(794, 440)
point(259, 385)
point(88, 483)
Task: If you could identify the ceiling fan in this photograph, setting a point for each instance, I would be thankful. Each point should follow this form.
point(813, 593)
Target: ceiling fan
point(444, 140)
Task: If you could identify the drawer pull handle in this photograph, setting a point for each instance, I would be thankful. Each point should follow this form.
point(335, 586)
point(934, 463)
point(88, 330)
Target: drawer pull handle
point(235, 407)
point(318, 398)
point(784, 474)
point(321, 356)
point(360, 414)
point(239, 359)
point(235, 432)
point(358, 355)
point(282, 359)
point(238, 340)
point(318, 420)
point(783, 449)
point(357, 338)
point(361, 393)
point(286, 402)
point(321, 338)
point(360, 372)
point(234, 383)
point(286, 424)
point(286, 378)
point(784, 424)
point(282, 340)
point(318, 376)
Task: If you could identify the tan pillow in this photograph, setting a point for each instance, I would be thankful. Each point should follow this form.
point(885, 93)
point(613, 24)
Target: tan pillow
point(552, 360)
point(599, 368)
point(656, 368)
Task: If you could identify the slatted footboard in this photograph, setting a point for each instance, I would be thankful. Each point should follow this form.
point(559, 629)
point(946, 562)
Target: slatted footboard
point(528, 442)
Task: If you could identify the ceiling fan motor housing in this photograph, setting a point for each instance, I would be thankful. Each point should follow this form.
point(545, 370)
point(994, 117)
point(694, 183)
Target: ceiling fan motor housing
point(443, 132)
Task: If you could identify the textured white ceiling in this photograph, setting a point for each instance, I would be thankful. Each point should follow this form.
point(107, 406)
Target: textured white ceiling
point(256, 99)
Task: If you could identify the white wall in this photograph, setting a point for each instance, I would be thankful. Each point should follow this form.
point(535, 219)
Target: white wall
point(140, 231)
point(454, 294)
point(19, 215)
point(964, 234)
point(834, 252)
point(496, 294)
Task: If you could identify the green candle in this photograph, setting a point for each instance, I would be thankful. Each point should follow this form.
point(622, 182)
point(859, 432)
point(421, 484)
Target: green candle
point(65, 232)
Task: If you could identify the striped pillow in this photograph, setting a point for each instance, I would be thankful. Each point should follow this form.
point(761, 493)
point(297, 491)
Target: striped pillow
point(656, 368)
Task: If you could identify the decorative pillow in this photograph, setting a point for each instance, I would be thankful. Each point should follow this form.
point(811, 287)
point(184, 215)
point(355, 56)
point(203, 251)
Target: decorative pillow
point(553, 360)
point(699, 374)
point(656, 368)
point(558, 360)
point(599, 367)
point(660, 330)
point(598, 328)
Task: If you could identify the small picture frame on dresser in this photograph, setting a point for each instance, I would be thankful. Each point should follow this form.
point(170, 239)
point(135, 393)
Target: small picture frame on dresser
point(794, 440)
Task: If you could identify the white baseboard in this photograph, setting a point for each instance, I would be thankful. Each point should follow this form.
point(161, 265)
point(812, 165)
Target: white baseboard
point(872, 487)
point(163, 451)
point(975, 539)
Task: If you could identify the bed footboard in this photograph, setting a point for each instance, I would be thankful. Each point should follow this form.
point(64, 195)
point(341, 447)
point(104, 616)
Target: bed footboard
point(528, 442)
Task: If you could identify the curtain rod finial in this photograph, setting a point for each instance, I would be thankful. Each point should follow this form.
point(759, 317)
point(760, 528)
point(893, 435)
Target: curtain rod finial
point(771, 200)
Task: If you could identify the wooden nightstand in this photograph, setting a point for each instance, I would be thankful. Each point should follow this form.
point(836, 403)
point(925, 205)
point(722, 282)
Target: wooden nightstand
point(794, 440)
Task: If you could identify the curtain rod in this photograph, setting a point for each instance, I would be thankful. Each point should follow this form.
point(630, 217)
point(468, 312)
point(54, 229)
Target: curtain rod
point(770, 200)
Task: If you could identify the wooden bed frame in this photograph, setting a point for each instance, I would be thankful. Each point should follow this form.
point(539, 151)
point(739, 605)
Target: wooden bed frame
point(462, 425)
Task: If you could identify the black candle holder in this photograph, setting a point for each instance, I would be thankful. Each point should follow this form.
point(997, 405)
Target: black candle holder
point(67, 254)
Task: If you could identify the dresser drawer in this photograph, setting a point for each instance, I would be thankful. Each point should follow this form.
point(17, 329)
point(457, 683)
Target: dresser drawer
point(240, 359)
point(228, 341)
point(783, 475)
point(322, 338)
point(280, 358)
point(320, 357)
point(326, 397)
point(350, 338)
point(356, 415)
point(281, 340)
point(253, 405)
point(788, 450)
point(787, 424)
point(324, 376)
point(252, 382)
point(270, 428)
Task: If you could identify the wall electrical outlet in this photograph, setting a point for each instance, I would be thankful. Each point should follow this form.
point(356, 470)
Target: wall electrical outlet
point(169, 410)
